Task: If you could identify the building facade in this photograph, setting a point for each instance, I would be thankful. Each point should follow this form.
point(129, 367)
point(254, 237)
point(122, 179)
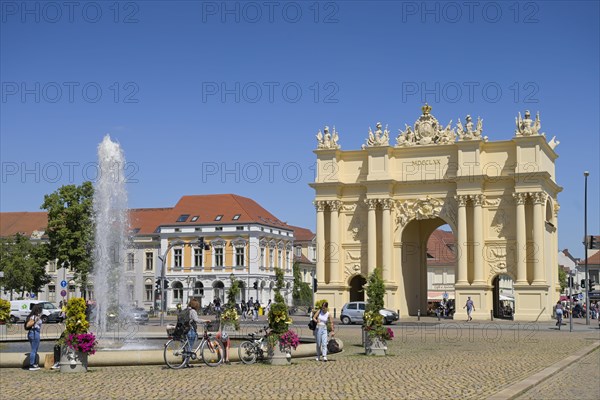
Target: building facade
point(376, 207)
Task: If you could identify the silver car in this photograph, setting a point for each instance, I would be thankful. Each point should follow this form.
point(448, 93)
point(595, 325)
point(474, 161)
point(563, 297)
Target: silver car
point(140, 315)
point(353, 313)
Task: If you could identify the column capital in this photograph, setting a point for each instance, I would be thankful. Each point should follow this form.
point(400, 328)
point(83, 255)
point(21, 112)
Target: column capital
point(387, 204)
point(320, 205)
point(477, 199)
point(334, 205)
point(371, 203)
point(539, 197)
point(520, 197)
point(461, 199)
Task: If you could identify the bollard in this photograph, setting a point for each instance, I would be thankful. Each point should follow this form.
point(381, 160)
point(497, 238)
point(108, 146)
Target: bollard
point(492, 314)
point(334, 313)
point(419, 314)
point(438, 315)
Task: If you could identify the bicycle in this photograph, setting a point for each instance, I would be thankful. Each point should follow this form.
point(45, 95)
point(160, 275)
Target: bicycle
point(176, 356)
point(252, 350)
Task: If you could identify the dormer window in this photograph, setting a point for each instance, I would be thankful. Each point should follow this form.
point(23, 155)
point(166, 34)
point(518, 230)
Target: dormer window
point(236, 217)
point(183, 217)
point(194, 218)
point(218, 217)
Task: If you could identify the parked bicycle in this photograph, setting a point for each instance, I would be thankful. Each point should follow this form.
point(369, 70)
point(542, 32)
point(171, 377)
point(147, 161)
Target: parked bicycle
point(210, 350)
point(253, 350)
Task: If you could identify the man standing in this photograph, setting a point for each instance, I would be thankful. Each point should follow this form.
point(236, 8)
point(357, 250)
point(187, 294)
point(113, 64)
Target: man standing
point(470, 308)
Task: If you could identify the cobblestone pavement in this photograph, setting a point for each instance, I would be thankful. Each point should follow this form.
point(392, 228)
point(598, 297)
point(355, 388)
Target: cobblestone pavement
point(578, 381)
point(447, 361)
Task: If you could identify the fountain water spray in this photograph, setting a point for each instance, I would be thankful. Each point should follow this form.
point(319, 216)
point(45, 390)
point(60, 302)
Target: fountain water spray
point(112, 227)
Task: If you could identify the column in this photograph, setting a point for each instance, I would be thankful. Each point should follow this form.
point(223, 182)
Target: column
point(539, 199)
point(521, 251)
point(334, 238)
point(372, 236)
point(386, 236)
point(461, 276)
point(478, 239)
point(320, 206)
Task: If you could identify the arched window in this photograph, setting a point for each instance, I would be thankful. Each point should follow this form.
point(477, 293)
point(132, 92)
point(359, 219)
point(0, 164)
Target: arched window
point(177, 291)
point(198, 289)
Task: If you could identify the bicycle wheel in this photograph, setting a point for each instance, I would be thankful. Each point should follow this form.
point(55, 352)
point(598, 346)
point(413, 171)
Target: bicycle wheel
point(212, 352)
point(247, 352)
point(175, 356)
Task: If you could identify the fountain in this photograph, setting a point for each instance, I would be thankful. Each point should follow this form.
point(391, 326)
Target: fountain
point(112, 226)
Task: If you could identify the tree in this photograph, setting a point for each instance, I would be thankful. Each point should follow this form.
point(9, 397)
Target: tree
point(23, 264)
point(233, 292)
point(278, 314)
point(71, 229)
point(375, 291)
point(302, 292)
point(562, 279)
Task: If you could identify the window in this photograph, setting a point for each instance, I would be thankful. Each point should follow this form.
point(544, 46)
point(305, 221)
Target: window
point(149, 261)
point(195, 218)
point(239, 228)
point(178, 292)
point(51, 266)
point(218, 256)
point(52, 293)
point(298, 251)
point(239, 256)
point(198, 257)
point(130, 261)
point(361, 306)
point(198, 289)
point(271, 258)
point(352, 306)
point(218, 228)
point(280, 261)
point(287, 259)
point(236, 217)
point(177, 258)
point(183, 217)
point(148, 289)
point(262, 257)
point(218, 217)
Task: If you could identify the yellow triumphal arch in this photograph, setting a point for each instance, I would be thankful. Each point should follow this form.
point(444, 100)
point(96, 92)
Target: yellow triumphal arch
point(377, 206)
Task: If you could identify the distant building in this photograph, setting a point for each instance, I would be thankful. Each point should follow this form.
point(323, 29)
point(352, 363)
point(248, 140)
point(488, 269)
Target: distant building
point(244, 240)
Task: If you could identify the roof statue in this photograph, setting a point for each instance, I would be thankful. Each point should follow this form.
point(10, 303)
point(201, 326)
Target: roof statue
point(526, 126)
point(427, 130)
point(467, 132)
point(553, 142)
point(379, 138)
point(327, 140)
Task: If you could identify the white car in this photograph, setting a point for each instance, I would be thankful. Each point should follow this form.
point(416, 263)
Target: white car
point(20, 309)
point(353, 313)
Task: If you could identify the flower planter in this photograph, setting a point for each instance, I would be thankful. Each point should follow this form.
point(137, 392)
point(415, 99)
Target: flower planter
point(375, 346)
point(72, 361)
point(278, 355)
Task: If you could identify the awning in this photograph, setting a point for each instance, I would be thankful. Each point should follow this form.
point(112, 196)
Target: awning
point(506, 298)
point(438, 296)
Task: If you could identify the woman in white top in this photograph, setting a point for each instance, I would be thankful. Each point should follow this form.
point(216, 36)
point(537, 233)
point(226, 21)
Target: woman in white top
point(321, 317)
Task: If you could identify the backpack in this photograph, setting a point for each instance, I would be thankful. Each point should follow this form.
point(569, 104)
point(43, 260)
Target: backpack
point(184, 323)
point(333, 346)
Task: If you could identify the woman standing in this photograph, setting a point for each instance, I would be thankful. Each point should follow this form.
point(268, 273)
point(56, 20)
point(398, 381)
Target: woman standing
point(558, 310)
point(321, 317)
point(34, 324)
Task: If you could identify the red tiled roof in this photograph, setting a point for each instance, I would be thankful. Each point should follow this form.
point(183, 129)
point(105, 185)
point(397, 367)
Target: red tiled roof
point(25, 223)
point(594, 259)
point(147, 219)
point(302, 234)
point(441, 247)
point(208, 207)
point(302, 259)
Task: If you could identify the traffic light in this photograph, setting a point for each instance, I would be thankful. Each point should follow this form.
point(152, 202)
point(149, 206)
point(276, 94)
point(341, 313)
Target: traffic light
point(203, 244)
point(314, 285)
point(570, 281)
point(166, 284)
point(158, 284)
point(255, 284)
point(583, 283)
point(593, 243)
point(592, 283)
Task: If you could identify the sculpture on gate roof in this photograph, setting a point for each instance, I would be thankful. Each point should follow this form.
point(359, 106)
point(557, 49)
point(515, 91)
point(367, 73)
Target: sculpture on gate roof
point(327, 140)
point(427, 130)
point(379, 138)
point(467, 132)
point(526, 126)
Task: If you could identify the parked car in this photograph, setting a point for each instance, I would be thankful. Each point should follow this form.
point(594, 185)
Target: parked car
point(353, 312)
point(139, 315)
point(20, 309)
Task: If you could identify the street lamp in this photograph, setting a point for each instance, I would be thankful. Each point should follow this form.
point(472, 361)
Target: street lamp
point(585, 245)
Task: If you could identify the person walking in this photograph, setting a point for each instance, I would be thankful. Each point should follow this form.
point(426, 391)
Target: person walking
point(321, 317)
point(34, 324)
point(470, 306)
point(558, 310)
point(256, 308)
point(243, 309)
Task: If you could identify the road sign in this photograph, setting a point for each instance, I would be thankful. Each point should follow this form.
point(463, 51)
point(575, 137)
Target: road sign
point(63, 283)
point(63, 293)
point(580, 297)
point(32, 295)
point(445, 295)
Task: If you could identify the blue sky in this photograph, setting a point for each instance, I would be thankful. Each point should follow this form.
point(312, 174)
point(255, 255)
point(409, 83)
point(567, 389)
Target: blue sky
point(204, 95)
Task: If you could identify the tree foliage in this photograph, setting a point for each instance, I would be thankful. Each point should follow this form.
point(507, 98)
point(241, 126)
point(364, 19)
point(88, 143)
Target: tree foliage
point(562, 279)
point(278, 314)
point(233, 292)
point(23, 264)
point(70, 227)
point(375, 291)
point(302, 292)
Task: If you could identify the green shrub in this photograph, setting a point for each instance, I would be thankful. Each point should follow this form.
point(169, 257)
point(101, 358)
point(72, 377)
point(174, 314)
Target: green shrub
point(4, 311)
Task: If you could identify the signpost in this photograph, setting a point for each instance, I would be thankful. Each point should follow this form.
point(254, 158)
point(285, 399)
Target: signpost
point(63, 293)
point(63, 283)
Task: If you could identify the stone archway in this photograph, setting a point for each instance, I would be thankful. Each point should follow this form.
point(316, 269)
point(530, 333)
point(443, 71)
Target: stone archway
point(376, 207)
point(357, 292)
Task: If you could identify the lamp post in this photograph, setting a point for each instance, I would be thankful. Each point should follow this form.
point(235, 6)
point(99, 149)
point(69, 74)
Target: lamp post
point(585, 244)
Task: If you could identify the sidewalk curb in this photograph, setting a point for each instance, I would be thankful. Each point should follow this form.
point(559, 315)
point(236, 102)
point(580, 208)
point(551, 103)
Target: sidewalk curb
point(521, 387)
